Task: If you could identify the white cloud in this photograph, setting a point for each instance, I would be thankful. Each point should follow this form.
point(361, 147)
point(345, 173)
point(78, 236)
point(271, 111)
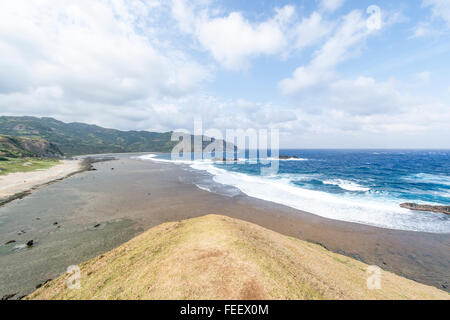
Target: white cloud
point(331, 5)
point(365, 113)
point(351, 32)
point(439, 8)
point(424, 76)
point(232, 39)
point(311, 30)
point(365, 96)
point(93, 51)
point(422, 29)
point(184, 14)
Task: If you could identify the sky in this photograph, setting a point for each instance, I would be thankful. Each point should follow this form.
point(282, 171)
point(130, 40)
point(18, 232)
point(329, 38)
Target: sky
point(325, 73)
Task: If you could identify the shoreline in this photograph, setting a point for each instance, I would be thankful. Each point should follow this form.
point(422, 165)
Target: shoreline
point(35, 180)
point(340, 199)
point(47, 177)
point(128, 196)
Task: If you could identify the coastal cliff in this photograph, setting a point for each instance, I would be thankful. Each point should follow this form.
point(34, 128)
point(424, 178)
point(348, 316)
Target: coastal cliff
point(216, 257)
point(21, 147)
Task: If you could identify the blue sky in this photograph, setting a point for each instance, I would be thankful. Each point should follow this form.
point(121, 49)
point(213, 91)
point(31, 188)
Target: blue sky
point(326, 73)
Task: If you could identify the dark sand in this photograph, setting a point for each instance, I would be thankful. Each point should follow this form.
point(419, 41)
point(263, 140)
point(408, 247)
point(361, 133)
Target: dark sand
point(138, 195)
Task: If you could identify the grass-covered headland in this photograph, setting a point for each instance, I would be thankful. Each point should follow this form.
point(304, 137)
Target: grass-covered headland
point(216, 257)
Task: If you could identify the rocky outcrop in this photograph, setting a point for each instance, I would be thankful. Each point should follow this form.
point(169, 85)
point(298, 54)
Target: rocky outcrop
point(428, 208)
point(288, 157)
point(18, 147)
point(88, 163)
point(41, 148)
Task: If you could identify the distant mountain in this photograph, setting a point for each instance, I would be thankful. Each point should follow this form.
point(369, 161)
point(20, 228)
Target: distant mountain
point(19, 147)
point(80, 138)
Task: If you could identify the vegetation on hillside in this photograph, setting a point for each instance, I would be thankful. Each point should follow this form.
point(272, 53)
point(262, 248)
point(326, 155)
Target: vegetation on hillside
point(79, 138)
point(19, 147)
point(216, 257)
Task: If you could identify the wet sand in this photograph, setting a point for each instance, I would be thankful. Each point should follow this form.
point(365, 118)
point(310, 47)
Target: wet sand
point(129, 196)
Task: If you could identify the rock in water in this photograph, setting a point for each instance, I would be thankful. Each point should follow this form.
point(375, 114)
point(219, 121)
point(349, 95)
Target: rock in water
point(429, 208)
point(30, 243)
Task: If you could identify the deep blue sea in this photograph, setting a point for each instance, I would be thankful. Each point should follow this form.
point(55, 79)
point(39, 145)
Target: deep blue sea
point(362, 186)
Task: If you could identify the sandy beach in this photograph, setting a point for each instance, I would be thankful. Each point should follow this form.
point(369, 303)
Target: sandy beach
point(18, 182)
point(96, 211)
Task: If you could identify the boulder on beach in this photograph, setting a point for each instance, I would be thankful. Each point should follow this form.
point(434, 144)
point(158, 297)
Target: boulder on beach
point(428, 208)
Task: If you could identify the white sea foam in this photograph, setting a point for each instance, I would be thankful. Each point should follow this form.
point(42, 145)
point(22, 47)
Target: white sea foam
point(359, 208)
point(153, 157)
point(347, 185)
point(147, 157)
point(298, 176)
point(203, 188)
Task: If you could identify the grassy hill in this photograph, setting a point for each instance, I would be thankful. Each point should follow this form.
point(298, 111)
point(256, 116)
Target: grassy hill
point(79, 138)
point(216, 257)
point(21, 147)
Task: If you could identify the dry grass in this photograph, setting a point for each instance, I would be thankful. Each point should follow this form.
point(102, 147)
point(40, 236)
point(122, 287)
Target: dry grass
point(215, 257)
point(12, 165)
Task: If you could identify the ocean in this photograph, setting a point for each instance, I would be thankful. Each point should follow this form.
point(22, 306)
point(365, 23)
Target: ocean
point(360, 186)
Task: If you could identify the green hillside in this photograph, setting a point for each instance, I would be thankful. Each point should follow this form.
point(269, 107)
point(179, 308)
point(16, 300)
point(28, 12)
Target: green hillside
point(21, 147)
point(79, 138)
